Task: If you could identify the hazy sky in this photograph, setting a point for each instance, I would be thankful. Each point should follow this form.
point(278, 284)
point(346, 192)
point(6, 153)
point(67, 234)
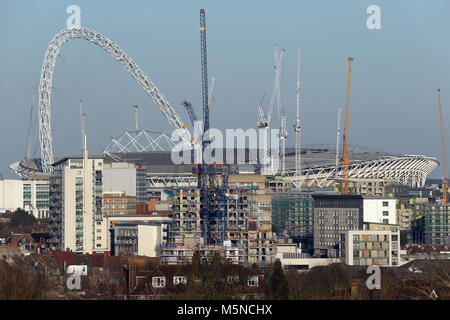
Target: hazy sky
point(395, 73)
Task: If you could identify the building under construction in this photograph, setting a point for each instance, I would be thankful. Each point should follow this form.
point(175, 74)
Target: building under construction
point(248, 236)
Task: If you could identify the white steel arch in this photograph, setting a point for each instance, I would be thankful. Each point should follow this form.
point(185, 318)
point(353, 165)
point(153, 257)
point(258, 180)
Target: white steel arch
point(45, 87)
point(410, 170)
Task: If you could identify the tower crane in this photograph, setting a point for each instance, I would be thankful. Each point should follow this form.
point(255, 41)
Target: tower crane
point(444, 178)
point(190, 111)
point(297, 127)
point(345, 164)
point(264, 119)
point(338, 133)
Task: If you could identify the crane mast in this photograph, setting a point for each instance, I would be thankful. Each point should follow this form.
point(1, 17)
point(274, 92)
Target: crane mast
point(264, 119)
point(338, 133)
point(297, 128)
point(345, 164)
point(444, 178)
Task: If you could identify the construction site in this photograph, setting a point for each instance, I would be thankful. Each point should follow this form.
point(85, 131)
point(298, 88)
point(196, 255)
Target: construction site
point(223, 207)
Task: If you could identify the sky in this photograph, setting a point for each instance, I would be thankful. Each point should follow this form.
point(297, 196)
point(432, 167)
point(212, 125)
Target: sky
point(395, 72)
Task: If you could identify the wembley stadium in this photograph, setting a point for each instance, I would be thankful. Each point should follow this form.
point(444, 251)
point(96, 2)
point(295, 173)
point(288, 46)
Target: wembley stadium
point(318, 166)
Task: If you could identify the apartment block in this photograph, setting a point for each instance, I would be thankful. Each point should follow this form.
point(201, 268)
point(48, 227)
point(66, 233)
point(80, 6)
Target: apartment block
point(292, 214)
point(436, 227)
point(370, 247)
point(76, 217)
point(126, 178)
point(117, 203)
point(36, 198)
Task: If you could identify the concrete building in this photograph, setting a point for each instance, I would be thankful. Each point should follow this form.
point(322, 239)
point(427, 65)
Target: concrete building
point(136, 234)
point(379, 210)
point(117, 203)
point(11, 195)
point(36, 198)
point(436, 223)
point(292, 214)
point(138, 238)
point(76, 220)
point(369, 187)
point(249, 237)
point(334, 214)
point(31, 195)
point(127, 178)
point(370, 247)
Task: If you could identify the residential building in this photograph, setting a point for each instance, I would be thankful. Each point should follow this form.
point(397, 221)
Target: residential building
point(336, 213)
point(11, 195)
point(370, 247)
point(36, 198)
point(116, 203)
point(292, 214)
point(436, 223)
point(76, 194)
point(127, 178)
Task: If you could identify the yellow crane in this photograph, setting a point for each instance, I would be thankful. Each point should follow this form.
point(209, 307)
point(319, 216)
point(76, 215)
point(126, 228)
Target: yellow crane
point(444, 178)
point(345, 165)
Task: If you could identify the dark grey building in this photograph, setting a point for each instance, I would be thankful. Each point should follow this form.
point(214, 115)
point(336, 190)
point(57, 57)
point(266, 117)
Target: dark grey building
point(334, 214)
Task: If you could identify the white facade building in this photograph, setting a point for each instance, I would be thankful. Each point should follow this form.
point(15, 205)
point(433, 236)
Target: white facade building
point(76, 206)
point(379, 210)
point(371, 247)
point(11, 195)
point(36, 198)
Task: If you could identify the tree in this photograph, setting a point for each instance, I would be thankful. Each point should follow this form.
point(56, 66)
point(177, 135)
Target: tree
point(404, 237)
point(278, 285)
point(21, 218)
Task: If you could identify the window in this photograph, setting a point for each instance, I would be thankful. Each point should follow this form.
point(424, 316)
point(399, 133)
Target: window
point(385, 203)
point(99, 238)
point(232, 279)
point(99, 245)
point(253, 281)
point(385, 213)
point(179, 279)
point(158, 282)
point(385, 221)
point(99, 230)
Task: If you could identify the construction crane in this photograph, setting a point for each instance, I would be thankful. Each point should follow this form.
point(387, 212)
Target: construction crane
point(283, 134)
point(338, 133)
point(444, 178)
point(211, 91)
point(345, 164)
point(190, 111)
point(265, 118)
point(30, 126)
point(297, 127)
point(206, 172)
